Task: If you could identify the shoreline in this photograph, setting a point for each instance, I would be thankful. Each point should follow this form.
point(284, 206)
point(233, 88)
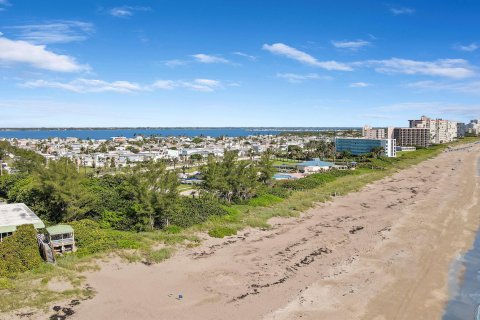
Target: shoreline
point(456, 237)
point(317, 266)
point(463, 281)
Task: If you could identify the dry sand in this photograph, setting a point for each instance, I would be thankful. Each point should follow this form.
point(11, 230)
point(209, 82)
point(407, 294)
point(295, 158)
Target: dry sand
point(381, 253)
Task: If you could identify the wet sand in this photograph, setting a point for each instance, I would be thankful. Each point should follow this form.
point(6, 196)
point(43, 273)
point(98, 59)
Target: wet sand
point(381, 253)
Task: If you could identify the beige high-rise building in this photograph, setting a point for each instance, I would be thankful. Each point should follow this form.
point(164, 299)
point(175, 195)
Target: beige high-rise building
point(441, 131)
point(374, 133)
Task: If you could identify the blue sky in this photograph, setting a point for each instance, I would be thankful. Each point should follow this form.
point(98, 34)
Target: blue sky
point(237, 63)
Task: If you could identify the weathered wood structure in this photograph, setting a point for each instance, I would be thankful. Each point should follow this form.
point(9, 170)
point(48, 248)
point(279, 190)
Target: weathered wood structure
point(61, 238)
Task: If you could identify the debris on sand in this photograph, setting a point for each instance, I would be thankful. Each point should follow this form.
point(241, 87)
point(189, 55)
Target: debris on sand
point(355, 229)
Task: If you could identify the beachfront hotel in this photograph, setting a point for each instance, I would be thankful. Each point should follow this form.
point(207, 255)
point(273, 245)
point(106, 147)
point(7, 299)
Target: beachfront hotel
point(359, 146)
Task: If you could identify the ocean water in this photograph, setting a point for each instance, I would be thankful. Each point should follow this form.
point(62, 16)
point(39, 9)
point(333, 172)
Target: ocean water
point(131, 132)
point(465, 282)
point(466, 287)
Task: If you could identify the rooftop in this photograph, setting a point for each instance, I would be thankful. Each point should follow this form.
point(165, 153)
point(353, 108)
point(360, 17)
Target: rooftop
point(59, 229)
point(16, 214)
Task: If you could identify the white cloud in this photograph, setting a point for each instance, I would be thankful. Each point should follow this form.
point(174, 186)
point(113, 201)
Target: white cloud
point(204, 85)
point(53, 32)
point(463, 87)
point(469, 47)
point(350, 45)
point(164, 84)
point(450, 68)
point(86, 85)
point(208, 82)
point(241, 54)
point(300, 56)
point(206, 58)
point(401, 10)
point(18, 51)
point(298, 78)
point(175, 63)
point(359, 85)
point(126, 11)
point(82, 85)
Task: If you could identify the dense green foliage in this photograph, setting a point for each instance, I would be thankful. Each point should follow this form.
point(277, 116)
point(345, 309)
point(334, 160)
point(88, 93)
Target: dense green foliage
point(235, 181)
point(19, 252)
point(314, 180)
point(142, 198)
point(220, 232)
point(264, 200)
point(23, 160)
point(91, 238)
point(192, 211)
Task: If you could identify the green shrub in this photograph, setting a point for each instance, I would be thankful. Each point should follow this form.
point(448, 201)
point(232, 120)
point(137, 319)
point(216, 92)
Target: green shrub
point(278, 191)
point(173, 229)
point(5, 283)
point(265, 200)
point(233, 214)
point(91, 238)
point(220, 232)
point(157, 256)
point(315, 180)
point(112, 219)
point(196, 210)
point(19, 252)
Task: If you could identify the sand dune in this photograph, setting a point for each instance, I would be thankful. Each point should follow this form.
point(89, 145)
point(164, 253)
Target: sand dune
point(381, 253)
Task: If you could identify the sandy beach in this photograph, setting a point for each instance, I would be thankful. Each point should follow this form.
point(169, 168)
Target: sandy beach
point(381, 253)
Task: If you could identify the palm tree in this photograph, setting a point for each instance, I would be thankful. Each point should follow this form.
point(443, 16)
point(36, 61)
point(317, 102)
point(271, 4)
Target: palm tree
point(175, 161)
point(377, 151)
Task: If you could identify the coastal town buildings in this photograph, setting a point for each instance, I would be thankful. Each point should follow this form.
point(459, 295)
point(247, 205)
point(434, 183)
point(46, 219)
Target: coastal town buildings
point(120, 151)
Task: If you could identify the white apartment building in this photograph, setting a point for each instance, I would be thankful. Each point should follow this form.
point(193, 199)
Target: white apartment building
point(473, 127)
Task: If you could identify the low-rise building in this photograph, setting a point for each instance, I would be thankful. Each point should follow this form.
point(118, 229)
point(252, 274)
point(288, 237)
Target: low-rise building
point(359, 146)
point(315, 165)
point(16, 214)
